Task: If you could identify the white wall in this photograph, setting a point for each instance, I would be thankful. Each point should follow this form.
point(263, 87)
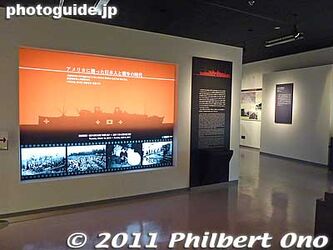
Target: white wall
point(73, 35)
point(253, 72)
point(250, 128)
point(307, 138)
point(253, 78)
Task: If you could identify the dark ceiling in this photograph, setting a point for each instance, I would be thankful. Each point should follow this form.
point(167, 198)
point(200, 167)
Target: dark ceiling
point(232, 22)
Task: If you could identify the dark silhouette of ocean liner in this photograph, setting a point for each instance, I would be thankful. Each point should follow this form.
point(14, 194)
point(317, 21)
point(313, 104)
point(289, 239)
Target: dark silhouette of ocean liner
point(98, 119)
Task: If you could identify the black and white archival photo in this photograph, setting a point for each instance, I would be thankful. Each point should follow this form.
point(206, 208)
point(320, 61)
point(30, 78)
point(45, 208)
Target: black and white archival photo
point(157, 153)
point(43, 161)
point(86, 158)
point(125, 155)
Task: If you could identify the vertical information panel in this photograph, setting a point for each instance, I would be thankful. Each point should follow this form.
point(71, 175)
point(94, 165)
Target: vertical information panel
point(284, 103)
point(211, 111)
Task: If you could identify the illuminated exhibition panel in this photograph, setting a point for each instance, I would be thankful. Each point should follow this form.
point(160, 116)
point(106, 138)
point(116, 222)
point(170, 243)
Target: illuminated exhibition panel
point(89, 114)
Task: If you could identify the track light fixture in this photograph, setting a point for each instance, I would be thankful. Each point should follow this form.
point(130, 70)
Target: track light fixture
point(285, 39)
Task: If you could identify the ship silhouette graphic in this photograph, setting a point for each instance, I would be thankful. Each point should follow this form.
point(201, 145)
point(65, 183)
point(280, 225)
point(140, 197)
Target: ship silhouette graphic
point(100, 119)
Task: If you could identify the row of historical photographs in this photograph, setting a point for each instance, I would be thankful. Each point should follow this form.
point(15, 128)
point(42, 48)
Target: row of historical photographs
point(46, 162)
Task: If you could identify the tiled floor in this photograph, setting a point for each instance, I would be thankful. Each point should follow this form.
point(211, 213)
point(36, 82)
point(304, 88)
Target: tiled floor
point(273, 195)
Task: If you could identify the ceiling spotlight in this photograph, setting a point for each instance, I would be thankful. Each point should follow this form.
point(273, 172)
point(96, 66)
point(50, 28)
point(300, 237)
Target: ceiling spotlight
point(285, 39)
point(277, 27)
point(251, 2)
point(100, 3)
point(61, 3)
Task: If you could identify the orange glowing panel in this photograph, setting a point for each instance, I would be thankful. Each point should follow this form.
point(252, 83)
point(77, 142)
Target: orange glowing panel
point(67, 90)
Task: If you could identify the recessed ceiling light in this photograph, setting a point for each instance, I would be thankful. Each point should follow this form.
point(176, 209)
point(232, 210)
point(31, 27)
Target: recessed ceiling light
point(61, 3)
point(277, 27)
point(251, 2)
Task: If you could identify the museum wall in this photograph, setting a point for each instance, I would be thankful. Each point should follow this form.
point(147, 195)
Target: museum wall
point(253, 78)
point(250, 128)
point(247, 130)
point(74, 35)
point(307, 137)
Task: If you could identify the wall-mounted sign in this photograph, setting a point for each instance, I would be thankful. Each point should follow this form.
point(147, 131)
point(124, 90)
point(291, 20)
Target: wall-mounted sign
point(3, 140)
point(251, 104)
point(284, 103)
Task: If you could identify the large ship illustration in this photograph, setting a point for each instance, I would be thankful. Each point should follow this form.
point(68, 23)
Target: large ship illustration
point(98, 119)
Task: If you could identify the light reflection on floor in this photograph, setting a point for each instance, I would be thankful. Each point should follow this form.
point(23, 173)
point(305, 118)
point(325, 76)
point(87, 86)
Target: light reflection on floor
point(273, 195)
